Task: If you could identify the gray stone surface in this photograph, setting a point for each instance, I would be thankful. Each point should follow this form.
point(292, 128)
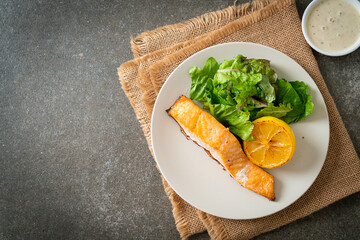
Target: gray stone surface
point(70, 141)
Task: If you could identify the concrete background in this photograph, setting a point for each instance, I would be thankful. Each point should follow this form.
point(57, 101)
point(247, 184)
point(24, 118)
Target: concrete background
point(70, 141)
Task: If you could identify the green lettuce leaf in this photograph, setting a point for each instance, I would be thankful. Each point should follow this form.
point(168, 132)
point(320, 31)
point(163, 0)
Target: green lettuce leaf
point(261, 66)
point(210, 68)
point(236, 63)
point(201, 83)
point(236, 120)
point(295, 94)
point(274, 111)
point(223, 96)
point(253, 103)
point(241, 89)
point(303, 90)
point(226, 64)
point(267, 89)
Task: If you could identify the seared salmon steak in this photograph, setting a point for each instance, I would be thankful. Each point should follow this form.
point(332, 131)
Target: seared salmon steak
point(221, 145)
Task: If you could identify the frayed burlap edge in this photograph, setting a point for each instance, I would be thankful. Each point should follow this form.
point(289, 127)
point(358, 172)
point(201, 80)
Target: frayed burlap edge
point(210, 222)
point(149, 87)
point(180, 220)
point(133, 91)
point(267, 10)
point(131, 95)
point(188, 29)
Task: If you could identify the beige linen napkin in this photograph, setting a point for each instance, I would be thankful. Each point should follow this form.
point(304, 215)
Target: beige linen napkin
point(269, 22)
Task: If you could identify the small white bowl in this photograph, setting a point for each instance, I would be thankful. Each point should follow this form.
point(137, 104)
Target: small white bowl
point(348, 50)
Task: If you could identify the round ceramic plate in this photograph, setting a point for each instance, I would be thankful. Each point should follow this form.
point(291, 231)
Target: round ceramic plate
point(200, 180)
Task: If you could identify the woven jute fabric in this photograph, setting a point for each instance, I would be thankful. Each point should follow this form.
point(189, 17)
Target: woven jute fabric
point(269, 22)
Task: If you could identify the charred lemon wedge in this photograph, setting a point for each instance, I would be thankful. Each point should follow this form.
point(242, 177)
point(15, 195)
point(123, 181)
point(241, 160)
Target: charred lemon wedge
point(274, 143)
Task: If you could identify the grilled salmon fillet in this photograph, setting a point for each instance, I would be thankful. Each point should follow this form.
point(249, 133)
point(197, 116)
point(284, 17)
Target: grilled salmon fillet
point(222, 145)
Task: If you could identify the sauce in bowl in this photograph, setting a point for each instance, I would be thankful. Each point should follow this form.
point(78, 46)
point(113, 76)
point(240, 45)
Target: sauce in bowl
point(333, 25)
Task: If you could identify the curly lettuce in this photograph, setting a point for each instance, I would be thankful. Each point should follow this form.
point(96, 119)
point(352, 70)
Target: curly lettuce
point(238, 91)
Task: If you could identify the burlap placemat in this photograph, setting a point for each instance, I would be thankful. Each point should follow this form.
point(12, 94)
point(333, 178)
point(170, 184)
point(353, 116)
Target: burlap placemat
point(273, 23)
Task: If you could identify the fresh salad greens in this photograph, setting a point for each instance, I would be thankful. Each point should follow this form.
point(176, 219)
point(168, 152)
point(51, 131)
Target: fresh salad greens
point(241, 90)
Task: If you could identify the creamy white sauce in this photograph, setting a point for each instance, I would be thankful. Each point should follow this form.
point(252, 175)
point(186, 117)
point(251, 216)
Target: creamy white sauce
point(333, 25)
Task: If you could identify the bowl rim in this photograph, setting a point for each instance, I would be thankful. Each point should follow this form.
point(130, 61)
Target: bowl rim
point(305, 16)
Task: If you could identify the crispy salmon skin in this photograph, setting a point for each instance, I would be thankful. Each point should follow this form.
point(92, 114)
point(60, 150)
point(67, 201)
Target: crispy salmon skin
point(222, 145)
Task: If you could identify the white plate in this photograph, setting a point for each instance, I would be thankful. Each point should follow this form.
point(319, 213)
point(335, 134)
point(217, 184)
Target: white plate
point(200, 180)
